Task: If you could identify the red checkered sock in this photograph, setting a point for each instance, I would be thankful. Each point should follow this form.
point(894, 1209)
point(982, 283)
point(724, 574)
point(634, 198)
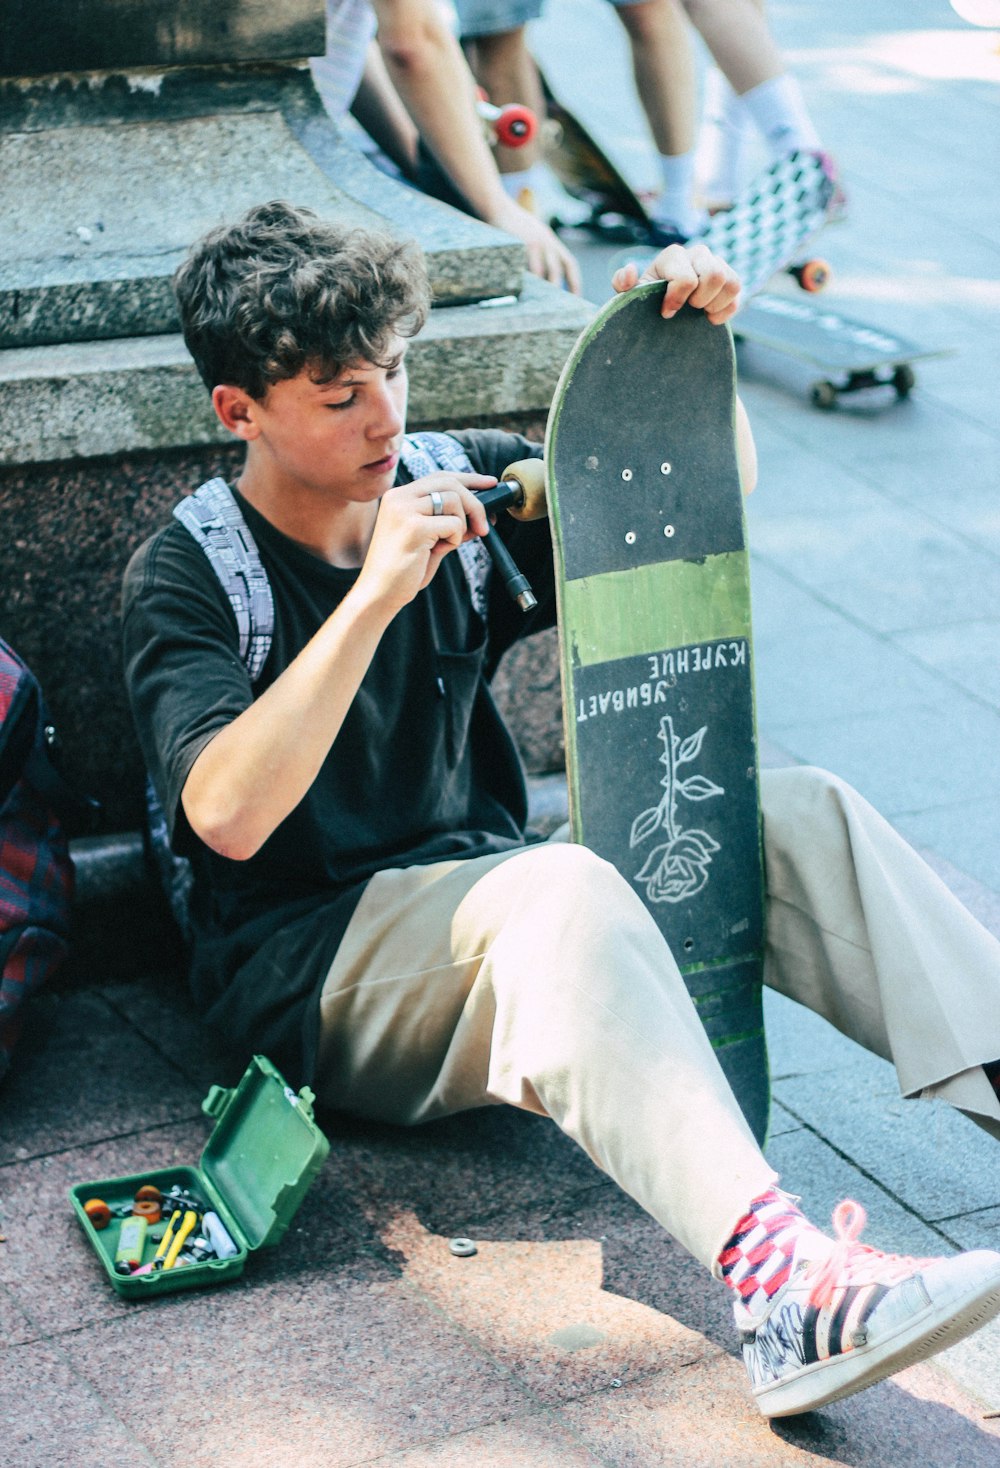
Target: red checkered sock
point(757, 1259)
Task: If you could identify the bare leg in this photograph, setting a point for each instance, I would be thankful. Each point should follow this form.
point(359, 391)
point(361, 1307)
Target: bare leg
point(736, 33)
point(663, 63)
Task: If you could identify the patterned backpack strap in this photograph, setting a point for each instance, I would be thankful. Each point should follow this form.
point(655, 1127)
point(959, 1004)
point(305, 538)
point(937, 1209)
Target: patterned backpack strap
point(427, 453)
point(214, 518)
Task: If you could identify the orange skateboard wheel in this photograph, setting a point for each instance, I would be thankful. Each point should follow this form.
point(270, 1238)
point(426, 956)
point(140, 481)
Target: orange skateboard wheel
point(98, 1212)
point(148, 1208)
point(812, 275)
point(149, 1190)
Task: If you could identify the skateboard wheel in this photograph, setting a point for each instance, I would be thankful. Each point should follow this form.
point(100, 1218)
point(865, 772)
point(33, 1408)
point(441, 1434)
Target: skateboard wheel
point(904, 380)
point(824, 395)
point(530, 475)
point(98, 1212)
point(812, 275)
point(148, 1190)
point(148, 1208)
point(515, 126)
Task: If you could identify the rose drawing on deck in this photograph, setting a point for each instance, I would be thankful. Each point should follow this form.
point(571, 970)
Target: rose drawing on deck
point(678, 867)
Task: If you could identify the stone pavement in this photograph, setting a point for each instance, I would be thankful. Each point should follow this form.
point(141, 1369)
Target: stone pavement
point(579, 1335)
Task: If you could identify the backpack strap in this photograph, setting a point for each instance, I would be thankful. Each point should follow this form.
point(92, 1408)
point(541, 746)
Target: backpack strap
point(428, 453)
point(215, 520)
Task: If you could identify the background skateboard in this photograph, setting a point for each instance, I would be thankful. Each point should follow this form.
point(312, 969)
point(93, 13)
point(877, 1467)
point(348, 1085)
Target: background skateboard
point(654, 619)
point(586, 171)
point(767, 229)
point(851, 355)
point(771, 223)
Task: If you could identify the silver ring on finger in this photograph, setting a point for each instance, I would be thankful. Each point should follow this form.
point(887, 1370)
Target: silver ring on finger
point(437, 503)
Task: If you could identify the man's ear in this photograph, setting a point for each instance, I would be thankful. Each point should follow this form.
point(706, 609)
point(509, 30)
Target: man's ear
point(236, 410)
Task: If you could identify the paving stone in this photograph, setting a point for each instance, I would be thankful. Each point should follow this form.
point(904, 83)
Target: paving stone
point(160, 1008)
point(962, 652)
point(807, 654)
point(801, 1043)
point(530, 1442)
point(82, 1073)
point(703, 1416)
point(924, 1153)
point(545, 1309)
point(464, 1171)
point(966, 830)
point(979, 1229)
point(50, 1418)
point(15, 1327)
point(932, 758)
point(342, 1372)
point(813, 1168)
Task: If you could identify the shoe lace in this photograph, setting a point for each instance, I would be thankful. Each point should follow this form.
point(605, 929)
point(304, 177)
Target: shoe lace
point(864, 1264)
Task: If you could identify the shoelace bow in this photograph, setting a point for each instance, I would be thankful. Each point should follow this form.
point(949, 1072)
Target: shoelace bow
point(866, 1265)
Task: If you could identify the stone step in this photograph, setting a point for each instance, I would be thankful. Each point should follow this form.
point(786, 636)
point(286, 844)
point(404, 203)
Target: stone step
point(80, 400)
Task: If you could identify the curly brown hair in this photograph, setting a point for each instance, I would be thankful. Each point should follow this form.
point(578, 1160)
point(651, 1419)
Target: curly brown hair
point(282, 289)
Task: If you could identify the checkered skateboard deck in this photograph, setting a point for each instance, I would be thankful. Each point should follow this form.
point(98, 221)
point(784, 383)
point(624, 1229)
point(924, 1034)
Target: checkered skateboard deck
point(767, 228)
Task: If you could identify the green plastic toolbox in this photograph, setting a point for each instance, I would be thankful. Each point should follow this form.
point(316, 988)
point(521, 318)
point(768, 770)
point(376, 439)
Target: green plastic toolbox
point(258, 1164)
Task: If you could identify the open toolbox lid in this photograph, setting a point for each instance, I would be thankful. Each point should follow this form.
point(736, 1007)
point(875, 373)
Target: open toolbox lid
point(264, 1151)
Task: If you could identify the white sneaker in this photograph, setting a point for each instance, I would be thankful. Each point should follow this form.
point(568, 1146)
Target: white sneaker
point(850, 1315)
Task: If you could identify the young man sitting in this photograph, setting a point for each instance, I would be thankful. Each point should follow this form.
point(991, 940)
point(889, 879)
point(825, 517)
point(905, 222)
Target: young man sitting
point(366, 908)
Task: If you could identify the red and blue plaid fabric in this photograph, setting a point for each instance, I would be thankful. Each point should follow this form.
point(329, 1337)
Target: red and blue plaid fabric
point(36, 874)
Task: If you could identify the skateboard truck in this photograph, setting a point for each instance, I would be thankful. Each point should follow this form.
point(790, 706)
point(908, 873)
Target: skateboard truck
point(521, 492)
point(511, 125)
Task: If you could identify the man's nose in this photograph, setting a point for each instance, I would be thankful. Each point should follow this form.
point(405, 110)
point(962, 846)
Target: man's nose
point(387, 419)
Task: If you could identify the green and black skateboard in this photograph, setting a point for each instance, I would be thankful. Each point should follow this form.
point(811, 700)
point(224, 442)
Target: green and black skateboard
point(654, 621)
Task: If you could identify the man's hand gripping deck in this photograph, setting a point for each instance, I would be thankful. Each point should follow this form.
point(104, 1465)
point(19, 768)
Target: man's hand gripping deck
point(654, 616)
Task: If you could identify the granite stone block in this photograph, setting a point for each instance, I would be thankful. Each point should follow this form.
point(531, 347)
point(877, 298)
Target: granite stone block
point(104, 213)
point(94, 35)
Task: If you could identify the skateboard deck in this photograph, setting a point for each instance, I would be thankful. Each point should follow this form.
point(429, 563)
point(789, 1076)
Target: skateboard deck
point(654, 625)
point(851, 355)
point(771, 224)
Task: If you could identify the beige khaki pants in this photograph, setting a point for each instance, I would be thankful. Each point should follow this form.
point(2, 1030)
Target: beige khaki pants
point(538, 978)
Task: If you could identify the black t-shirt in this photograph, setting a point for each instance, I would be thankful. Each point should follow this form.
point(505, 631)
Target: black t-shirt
point(422, 770)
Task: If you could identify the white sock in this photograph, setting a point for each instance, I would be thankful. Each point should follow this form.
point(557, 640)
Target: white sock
point(779, 110)
point(532, 178)
point(675, 205)
point(723, 143)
